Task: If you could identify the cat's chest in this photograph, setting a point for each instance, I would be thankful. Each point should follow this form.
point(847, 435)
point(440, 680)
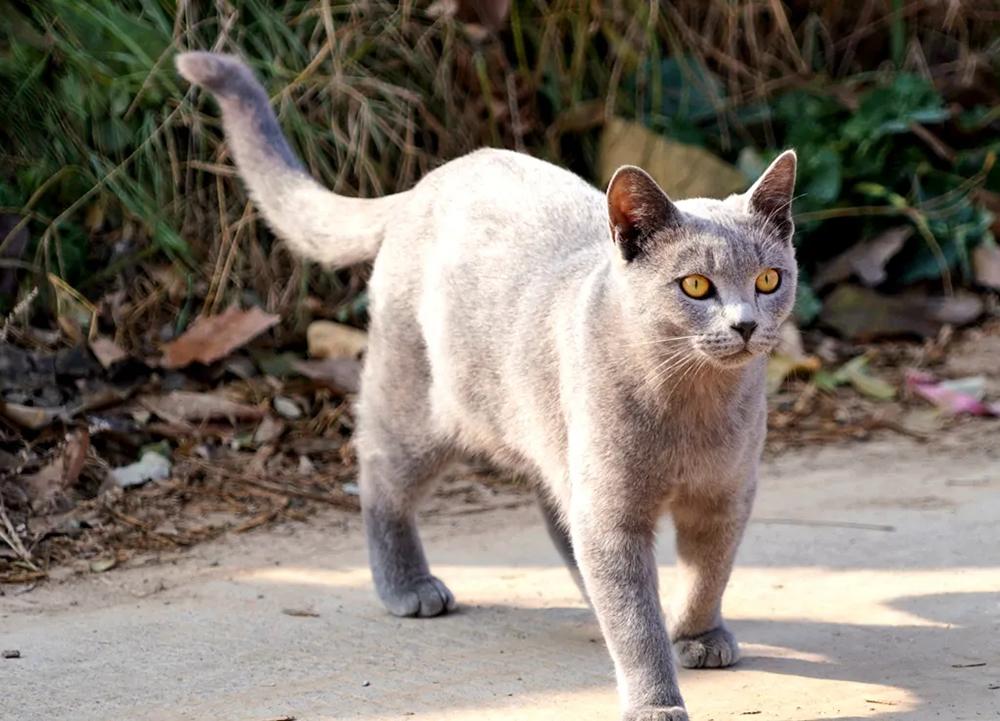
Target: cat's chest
point(706, 449)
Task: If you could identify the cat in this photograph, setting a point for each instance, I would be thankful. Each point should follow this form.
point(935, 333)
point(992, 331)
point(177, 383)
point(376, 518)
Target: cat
point(611, 346)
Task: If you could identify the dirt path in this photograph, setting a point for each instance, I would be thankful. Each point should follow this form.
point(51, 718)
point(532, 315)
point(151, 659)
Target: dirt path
point(868, 587)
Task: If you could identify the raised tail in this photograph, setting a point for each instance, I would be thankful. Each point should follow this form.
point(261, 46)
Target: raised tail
point(316, 223)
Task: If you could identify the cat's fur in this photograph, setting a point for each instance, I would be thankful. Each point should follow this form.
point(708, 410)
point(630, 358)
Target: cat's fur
point(520, 314)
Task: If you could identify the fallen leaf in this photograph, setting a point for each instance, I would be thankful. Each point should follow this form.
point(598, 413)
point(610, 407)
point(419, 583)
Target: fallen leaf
point(74, 456)
point(179, 406)
point(866, 259)
point(151, 467)
point(956, 397)
point(327, 339)
point(780, 367)
point(789, 357)
point(103, 564)
point(29, 416)
point(986, 264)
point(855, 372)
point(269, 430)
point(683, 171)
point(863, 314)
point(341, 374)
point(45, 488)
point(107, 351)
point(212, 338)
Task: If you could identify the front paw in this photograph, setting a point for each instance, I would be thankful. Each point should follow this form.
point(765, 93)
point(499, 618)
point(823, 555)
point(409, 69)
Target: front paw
point(656, 713)
point(714, 649)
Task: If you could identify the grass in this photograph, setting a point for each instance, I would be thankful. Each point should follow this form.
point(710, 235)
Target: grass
point(120, 174)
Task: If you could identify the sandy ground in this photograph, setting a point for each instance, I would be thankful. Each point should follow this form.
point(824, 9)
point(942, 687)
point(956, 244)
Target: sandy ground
point(868, 587)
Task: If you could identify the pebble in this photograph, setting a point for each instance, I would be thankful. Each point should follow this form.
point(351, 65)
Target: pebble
point(287, 408)
point(11, 653)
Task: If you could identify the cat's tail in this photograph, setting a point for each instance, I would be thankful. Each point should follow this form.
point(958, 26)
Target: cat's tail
point(318, 224)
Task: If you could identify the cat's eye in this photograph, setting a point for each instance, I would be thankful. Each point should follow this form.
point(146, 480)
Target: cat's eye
point(696, 286)
point(768, 281)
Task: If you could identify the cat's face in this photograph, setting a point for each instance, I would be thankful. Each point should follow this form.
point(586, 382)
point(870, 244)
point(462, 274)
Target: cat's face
point(713, 278)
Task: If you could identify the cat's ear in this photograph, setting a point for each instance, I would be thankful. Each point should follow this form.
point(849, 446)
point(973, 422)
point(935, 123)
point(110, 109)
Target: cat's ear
point(770, 198)
point(639, 212)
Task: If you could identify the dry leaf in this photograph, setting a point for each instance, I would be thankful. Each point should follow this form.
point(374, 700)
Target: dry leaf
point(107, 351)
point(683, 171)
point(986, 261)
point(341, 374)
point(29, 416)
point(862, 314)
point(327, 339)
point(212, 338)
point(103, 564)
point(178, 406)
point(74, 456)
point(269, 430)
point(788, 358)
point(866, 260)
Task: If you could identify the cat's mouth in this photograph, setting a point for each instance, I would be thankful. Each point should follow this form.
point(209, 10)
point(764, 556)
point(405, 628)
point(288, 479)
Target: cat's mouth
point(736, 358)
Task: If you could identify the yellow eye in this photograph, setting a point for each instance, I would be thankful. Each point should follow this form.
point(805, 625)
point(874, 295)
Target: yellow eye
point(696, 286)
point(768, 281)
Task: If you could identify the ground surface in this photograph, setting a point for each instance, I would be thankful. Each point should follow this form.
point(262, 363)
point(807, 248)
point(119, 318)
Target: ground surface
point(868, 587)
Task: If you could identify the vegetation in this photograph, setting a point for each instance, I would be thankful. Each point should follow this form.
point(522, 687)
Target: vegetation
point(119, 173)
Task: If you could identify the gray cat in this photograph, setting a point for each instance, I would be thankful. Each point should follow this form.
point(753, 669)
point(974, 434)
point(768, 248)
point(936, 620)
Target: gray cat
point(611, 346)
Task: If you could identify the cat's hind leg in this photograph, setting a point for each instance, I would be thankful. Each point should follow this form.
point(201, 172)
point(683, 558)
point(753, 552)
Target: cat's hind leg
point(400, 457)
point(395, 477)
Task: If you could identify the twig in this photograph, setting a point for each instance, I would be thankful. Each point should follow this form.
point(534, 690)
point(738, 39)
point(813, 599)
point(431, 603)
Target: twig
point(340, 501)
point(827, 524)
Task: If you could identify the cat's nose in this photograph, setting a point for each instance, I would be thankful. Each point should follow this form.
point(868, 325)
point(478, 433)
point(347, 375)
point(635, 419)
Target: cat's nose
point(745, 328)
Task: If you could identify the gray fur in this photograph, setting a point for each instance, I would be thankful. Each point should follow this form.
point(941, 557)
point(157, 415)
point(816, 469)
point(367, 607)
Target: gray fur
point(518, 313)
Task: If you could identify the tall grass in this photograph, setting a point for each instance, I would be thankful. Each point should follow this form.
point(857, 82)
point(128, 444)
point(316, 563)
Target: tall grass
point(120, 173)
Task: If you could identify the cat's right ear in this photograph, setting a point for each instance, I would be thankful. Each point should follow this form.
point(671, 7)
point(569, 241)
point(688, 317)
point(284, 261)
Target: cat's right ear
point(639, 212)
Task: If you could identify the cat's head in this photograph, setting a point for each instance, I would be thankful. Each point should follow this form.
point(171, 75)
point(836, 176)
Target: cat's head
point(719, 276)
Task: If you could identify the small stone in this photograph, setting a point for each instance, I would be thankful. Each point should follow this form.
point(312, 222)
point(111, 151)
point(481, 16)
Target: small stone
point(11, 653)
point(287, 408)
point(366, 684)
point(351, 489)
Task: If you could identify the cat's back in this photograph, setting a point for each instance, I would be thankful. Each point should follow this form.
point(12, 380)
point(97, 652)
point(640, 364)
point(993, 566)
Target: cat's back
point(511, 201)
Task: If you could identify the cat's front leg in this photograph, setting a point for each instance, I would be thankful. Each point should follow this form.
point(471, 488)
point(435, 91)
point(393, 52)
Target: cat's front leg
point(614, 548)
point(708, 535)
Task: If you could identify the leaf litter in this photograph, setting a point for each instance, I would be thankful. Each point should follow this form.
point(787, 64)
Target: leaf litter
point(106, 462)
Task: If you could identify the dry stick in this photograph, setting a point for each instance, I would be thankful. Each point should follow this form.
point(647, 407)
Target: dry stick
point(346, 502)
point(339, 501)
point(826, 524)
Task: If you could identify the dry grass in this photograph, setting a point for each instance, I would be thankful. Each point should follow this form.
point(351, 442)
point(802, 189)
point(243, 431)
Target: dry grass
point(373, 95)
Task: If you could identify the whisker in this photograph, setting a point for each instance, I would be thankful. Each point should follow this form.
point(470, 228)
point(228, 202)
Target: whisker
point(673, 370)
point(656, 341)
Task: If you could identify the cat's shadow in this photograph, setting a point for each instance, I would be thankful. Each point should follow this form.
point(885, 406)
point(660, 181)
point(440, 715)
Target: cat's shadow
point(876, 658)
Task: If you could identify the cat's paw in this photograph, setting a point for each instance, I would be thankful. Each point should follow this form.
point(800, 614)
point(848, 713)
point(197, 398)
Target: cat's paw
point(714, 649)
point(426, 596)
point(656, 713)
